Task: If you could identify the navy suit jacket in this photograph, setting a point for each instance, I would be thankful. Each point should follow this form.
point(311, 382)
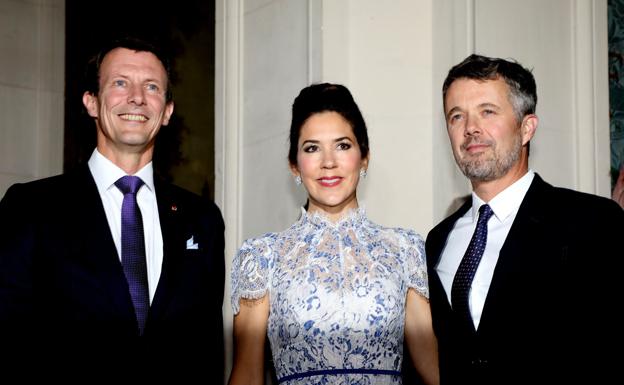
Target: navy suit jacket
point(62, 282)
point(550, 315)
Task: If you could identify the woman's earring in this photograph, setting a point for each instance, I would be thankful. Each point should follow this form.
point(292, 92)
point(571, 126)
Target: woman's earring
point(363, 172)
point(298, 180)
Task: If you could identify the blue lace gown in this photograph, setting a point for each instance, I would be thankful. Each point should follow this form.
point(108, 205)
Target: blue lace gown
point(337, 297)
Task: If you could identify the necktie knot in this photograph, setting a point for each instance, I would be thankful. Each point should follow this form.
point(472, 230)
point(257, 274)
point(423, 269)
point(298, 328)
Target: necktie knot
point(485, 212)
point(129, 184)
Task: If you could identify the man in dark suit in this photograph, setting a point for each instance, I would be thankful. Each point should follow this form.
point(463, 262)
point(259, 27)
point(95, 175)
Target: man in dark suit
point(79, 286)
point(523, 277)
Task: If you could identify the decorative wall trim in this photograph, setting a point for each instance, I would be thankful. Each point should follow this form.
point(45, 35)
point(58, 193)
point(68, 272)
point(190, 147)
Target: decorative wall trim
point(315, 41)
point(228, 139)
point(600, 56)
point(591, 125)
point(471, 31)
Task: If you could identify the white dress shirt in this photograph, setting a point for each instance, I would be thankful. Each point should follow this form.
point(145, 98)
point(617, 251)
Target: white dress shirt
point(505, 206)
point(106, 173)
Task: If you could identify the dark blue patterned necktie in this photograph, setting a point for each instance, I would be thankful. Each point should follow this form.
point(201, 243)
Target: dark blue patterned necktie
point(468, 265)
point(133, 247)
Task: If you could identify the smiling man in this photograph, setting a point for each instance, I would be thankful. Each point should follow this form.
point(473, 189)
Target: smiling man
point(110, 257)
point(522, 276)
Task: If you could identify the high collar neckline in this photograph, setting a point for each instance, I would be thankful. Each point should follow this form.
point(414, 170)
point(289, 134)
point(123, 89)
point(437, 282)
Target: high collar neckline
point(349, 218)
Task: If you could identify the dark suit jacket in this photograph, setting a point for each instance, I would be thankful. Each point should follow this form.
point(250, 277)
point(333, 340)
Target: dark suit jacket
point(550, 313)
point(62, 285)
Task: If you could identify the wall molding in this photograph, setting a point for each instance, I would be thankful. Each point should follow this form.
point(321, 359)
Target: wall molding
point(228, 140)
point(591, 96)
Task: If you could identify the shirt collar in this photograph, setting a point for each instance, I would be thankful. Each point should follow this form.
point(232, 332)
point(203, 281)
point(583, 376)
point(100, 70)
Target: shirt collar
point(507, 201)
point(106, 173)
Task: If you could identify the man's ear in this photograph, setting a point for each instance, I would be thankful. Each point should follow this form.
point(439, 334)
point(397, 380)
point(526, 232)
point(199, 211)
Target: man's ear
point(91, 104)
point(168, 113)
point(529, 126)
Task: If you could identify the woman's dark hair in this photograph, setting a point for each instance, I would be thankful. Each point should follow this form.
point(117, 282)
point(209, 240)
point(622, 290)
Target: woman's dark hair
point(318, 98)
point(92, 74)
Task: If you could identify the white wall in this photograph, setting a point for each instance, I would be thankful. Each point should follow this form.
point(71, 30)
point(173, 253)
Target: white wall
point(383, 54)
point(32, 74)
point(275, 68)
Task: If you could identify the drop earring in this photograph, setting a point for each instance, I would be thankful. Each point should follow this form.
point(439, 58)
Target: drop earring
point(298, 180)
point(363, 172)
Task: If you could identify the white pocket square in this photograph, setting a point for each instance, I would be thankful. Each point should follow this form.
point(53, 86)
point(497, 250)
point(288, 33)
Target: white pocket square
point(191, 245)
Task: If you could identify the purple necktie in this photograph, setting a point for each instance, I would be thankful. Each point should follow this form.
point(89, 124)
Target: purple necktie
point(468, 265)
point(133, 247)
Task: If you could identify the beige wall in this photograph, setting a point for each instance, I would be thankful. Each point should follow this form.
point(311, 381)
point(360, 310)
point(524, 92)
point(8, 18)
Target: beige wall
point(383, 54)
point(32, 74)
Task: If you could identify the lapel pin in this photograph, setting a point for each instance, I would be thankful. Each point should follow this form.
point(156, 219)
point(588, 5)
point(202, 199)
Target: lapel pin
point(174, 208)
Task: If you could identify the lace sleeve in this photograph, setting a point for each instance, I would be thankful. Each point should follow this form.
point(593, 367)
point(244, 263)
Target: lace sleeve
point(414, 249)
point(250, 271)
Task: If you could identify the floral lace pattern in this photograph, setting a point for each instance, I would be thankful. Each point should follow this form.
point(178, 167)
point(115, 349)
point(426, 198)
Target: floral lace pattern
point(337, 296)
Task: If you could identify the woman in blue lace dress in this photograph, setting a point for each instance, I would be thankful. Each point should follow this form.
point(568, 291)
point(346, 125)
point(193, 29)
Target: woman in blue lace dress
point(336, 294)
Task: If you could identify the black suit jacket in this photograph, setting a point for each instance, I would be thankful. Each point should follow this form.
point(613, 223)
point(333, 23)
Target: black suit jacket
point(550, 315)
point(62, 286)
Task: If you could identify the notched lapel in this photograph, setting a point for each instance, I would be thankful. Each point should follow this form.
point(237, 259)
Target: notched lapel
point(437, 238)
point(172, 226)
point(97, 245)
point(436, 241)
point(519, 254)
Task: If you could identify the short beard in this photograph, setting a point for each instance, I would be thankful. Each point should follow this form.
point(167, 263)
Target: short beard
point(493, 167)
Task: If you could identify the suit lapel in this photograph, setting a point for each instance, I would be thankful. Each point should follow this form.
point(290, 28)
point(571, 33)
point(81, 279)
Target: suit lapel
point(173, 242)
point(518, 251)
point(440, 235)
point(97, 245)
point(436, 241)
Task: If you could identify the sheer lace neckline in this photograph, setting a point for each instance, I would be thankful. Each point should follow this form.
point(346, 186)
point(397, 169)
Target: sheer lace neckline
point(351, 217)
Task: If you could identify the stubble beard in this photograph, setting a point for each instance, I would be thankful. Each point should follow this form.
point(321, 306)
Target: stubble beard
point(491, 166)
